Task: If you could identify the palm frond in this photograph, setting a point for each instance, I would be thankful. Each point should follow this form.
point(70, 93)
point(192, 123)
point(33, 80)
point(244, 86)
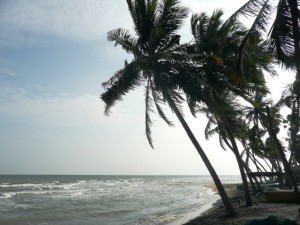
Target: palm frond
point(148, 111)
point(192, 104)
point(209, 129)
point(141, 19)
point(157, 99)
point(119, 85)
point(223, 140)
point(215, 21)
point(170, 16)
point(176, 98)
point(198, 25)
point(287, 97)
point(256, 30)
point(206, 31)
point(250, 9)
point(123, 37)
point(173, 43)
point(164, 83)
point(281, 36)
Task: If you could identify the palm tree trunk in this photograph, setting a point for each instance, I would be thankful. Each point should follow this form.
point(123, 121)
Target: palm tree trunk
point(253, 159)
point(275, 165)
point(241, 166)
point(227, 204)
point(285, 163)
point(252, 178)
point(255, 162)
point(263, 148)
point(294, 129)
point(258, 165)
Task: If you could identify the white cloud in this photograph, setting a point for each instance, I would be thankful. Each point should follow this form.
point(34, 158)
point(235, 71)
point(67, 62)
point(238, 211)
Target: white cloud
point(28, 22)
point(87, 20)
point(65, 110)
point(77, 19)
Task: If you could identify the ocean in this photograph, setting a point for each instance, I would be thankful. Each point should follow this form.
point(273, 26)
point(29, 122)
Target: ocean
point(103, 200)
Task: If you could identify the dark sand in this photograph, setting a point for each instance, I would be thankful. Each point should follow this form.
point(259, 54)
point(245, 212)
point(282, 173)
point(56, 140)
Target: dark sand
point(261, 209)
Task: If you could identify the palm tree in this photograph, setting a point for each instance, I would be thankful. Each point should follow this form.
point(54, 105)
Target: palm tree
point(292, 101)
point(284, 39)
point(224, 113)
point(270, 120)
point(157, 59)
point(257, 119)
point(257, 130)
point(221, 71)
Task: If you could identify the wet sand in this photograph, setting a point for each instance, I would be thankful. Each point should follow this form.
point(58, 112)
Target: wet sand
point(261, 209)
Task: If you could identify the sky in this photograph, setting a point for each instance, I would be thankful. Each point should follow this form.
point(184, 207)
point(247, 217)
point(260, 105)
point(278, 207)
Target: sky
point(54, 55)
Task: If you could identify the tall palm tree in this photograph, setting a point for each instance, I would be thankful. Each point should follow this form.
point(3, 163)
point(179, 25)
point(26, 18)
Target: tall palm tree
point(157, 59)
point(224, 113)
point(257, 119)
point(292, 101)
point(270, 120)
point(284, 39)
point(220, 71)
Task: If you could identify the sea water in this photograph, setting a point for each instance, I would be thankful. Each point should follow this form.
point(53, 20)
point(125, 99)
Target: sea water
point(103, 200)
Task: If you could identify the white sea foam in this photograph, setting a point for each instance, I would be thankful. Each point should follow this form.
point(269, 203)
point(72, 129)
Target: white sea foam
point(7, 195)
point(103, 200)
point(81, 181)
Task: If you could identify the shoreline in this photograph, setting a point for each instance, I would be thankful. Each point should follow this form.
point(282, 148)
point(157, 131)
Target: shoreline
point(208, 207)
point(261, 209)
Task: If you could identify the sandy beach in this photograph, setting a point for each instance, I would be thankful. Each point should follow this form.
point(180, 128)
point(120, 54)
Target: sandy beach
point(261, 209)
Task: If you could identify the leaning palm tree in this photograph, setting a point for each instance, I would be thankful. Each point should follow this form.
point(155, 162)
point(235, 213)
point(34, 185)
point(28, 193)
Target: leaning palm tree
point(284, 39)
point(225, 119)
point(157, 59)
point(221, 71)
point(292, 101)
point(257, 118)
point(270, 119)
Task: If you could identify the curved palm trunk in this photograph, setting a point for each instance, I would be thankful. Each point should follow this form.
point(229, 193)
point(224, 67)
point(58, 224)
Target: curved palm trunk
point(257, 187)
point(264, 149)
point(258, 165)
point(227, 204)
point(253, 159)
point(241, 167)
point(285, 163)
point(247, 194)
point(255, 162)
point(294, 130)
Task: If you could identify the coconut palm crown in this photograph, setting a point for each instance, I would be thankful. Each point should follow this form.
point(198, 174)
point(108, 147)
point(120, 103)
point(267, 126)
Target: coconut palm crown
point(155, 48)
